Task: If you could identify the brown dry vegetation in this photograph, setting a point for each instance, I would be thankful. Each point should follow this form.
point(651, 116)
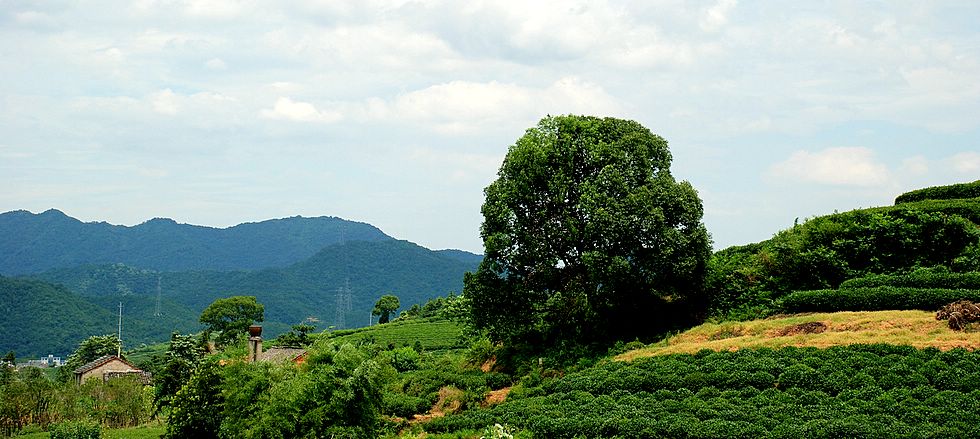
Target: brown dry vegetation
point(914, 328)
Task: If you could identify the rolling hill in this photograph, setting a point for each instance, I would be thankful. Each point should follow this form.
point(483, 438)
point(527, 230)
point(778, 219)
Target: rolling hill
point(166, 273)
point(311, 288)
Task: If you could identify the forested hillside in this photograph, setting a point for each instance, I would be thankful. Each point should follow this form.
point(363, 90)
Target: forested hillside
point(40, 318)
point(310, 288)
point(32, 243)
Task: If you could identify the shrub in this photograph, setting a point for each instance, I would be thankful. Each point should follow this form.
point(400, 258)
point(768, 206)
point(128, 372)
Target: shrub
point(402, 405)
point(934, 277)
point(404, 359)
point(954, 191)
point(76, 430)
point(874, 299)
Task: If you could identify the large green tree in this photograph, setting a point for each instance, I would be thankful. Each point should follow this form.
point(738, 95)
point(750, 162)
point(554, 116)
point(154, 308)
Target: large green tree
point(588, 237)
point(385, 307)
point(230, 317)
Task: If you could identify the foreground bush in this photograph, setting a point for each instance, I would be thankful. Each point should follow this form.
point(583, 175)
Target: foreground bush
point(867, 391)
point(76, 430)
point(874, 299)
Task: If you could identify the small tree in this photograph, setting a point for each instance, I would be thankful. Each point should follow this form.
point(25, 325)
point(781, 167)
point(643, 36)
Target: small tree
point(231, 317)
point(298, 336)
point(182, 358)
point(385, 307)
point(197, 408)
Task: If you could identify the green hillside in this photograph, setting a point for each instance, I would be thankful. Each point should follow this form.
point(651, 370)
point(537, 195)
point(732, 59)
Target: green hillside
point(291, 294)
point(40, 318)
point(32, 243)
point(824, 252)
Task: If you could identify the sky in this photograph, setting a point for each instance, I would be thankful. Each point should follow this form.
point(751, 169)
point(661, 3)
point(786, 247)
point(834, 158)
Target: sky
point(399, 114)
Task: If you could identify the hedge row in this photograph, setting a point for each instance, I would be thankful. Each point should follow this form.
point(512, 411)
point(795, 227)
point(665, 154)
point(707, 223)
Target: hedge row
point(924, 278)
point(874, 299)
point(954, 191)
point(845, 391)
point(968, 208)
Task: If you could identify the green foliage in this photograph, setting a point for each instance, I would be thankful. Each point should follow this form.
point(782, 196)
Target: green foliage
point(846, 391)
point(297, 337)
point(954, 191)
point(337, 393)
point(40, 318)
point(231, 317)
point(874, 299)
point(588, 238)
point(934, 277)
point(181, 359)
point(89, 350)
point(432, 334)
point(290, 294)
point(403, 359)
point(196, 408)
point(76, 430)
point(404, 406)
point(385, 307)
point(825, 251)
point(30, 400)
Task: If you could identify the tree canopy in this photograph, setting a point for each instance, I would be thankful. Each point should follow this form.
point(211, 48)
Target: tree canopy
point(231, 317)
point(385, 307)
point(588, 237)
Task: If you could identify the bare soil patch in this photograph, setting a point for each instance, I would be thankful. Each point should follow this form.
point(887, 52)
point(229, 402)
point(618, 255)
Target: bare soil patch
point(801, 328)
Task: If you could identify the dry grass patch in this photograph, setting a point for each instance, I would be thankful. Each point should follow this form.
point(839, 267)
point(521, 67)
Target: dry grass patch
point(913, 328)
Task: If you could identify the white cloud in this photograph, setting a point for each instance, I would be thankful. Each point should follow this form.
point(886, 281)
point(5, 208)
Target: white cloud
point(457, 166)
point(915, 166)
point(164, 102)
point(286, 108)
point(34, 18)
point(966, 163)
point(215, 64)
point(715, 17)
point(463, 107)
point(844, 166)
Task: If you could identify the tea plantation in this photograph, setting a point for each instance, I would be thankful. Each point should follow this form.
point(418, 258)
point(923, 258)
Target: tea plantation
point(845, 391)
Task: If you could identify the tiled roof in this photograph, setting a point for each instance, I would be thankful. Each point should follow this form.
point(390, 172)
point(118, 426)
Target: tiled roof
point(105, 359)
point(282, 354)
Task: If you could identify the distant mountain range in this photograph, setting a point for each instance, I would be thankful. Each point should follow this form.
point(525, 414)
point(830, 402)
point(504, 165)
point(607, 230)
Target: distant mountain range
point(165, 274)
point(32, 243)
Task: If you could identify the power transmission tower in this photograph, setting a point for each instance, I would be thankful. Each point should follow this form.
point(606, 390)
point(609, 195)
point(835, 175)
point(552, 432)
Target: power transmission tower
point(343, 301)
point(156, 311)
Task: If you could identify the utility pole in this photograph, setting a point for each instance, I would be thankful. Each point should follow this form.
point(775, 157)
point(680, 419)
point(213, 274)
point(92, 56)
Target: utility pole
point(119, 334)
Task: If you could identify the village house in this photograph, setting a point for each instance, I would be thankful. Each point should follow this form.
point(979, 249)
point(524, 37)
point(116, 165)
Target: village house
point(108, 367)
point(273, 355)
point(283, 355)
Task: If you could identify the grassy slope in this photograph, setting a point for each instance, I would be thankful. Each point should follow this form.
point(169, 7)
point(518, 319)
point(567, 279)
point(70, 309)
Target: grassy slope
point(913, 328)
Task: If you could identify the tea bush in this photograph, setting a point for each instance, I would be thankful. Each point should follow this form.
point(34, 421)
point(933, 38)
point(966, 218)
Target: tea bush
point(872, 391)
point(935, 277)
point(954, 191)
point(873, 299)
